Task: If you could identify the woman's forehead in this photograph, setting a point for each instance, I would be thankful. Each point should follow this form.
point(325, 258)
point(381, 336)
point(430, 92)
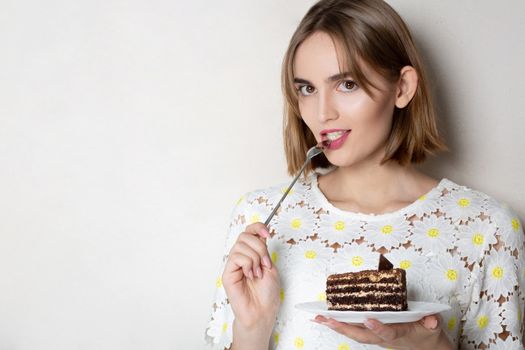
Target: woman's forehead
point(320, 56)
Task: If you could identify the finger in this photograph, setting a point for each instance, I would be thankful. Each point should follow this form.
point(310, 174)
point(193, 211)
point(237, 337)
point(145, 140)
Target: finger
point(357, 333)
point(255, 236)
point(321, 319)
point(383, 331)
point(232, 276)
point(431, 322)
point(238, 262)
point(247, 250)
point(258, 228)
point(258, 246)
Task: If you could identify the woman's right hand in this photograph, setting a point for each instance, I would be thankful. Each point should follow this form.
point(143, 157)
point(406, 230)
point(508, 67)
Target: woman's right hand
point(252, 282)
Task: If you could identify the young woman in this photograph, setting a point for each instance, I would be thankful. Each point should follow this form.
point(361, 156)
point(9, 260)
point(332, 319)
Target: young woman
point(352, 75)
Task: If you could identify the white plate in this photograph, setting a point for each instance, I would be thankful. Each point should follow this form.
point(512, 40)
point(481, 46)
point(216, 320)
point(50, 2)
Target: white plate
point(416, 311)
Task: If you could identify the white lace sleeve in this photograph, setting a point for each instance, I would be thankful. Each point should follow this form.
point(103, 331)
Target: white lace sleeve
point(218, 333)
point(494, 318)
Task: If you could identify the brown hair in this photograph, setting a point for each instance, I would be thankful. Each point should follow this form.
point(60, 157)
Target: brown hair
point(371, 31)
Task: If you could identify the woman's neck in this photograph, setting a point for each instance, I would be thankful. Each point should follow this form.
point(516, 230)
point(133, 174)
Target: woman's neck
point(375, 188)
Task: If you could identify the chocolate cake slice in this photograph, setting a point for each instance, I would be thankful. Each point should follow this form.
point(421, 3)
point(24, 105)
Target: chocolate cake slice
point(383, 289)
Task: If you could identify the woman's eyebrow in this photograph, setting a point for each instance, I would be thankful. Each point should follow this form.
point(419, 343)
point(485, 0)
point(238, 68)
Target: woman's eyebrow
point(333, 78)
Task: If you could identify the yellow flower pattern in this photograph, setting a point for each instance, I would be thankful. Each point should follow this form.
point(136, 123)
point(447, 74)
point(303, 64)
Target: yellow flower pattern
point(445, 241)
point(387, 229)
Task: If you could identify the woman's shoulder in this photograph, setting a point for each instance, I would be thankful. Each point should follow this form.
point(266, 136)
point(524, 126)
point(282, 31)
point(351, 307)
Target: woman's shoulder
point(270, 195)
point(468, 196)
point(463, 200)
point(256, 205)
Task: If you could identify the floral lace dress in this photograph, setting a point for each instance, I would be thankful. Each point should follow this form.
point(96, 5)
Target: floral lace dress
point(458, 246)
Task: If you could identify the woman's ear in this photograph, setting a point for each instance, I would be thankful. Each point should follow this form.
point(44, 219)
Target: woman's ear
point(406, 86)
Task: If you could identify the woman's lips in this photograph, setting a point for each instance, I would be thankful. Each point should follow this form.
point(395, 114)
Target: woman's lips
point(337, 143)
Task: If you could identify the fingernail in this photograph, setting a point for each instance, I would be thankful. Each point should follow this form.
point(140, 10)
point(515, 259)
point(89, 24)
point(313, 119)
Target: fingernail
point(265, 233)
point(258, 272)
point(433, 323)
point(320, 318)
point(369, 325)
point(267, 262)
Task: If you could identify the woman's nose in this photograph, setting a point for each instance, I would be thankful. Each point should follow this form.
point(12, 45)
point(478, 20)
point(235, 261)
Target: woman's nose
point(326, 108)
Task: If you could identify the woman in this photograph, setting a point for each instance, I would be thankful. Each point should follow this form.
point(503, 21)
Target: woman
point(352, 77)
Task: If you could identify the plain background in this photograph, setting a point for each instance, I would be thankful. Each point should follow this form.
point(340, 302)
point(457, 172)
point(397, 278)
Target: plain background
point(129, 129)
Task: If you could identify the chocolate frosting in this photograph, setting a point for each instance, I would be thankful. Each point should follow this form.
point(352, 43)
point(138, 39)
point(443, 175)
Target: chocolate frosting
point(384, 263)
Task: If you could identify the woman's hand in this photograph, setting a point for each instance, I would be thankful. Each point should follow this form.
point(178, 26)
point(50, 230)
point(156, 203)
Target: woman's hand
point(423, 334)
point(252, 284)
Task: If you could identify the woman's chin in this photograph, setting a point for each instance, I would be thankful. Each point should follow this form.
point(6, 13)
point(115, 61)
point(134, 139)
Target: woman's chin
point(340, 162)
point(349, 161)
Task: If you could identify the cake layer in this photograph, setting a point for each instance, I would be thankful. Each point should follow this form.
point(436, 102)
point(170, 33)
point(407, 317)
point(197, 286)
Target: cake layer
point(385, 287)
point(366, 307)
point(376, 299)
point(367, 276)
point(369, 290)
point(377, 303)
point(362, 293)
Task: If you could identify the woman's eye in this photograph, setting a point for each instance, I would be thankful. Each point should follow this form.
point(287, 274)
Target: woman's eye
point(348, 85)
point(306, 90)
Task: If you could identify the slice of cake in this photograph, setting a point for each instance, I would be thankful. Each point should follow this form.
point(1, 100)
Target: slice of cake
point(383, 289)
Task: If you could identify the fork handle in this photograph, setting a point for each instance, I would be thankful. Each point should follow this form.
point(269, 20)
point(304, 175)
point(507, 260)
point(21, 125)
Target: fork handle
point(286, 193)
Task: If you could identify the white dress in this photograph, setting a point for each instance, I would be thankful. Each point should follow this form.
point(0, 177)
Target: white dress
point(458, 246)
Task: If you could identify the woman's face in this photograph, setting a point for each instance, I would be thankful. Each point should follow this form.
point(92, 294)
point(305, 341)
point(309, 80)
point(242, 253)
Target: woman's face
point(334, 107)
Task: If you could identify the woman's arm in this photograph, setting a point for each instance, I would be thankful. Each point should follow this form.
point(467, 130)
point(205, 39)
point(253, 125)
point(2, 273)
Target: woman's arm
point(493, 314)
point(254, 296)
point(247, 298)
point(251, 339)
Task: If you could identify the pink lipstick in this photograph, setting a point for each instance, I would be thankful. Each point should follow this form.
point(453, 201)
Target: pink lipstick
point(333, 144)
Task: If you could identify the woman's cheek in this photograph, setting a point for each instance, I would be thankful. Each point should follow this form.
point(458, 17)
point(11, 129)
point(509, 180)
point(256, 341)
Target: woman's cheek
point(307, 115)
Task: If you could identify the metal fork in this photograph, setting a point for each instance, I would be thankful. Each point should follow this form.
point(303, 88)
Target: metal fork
point(312, 152)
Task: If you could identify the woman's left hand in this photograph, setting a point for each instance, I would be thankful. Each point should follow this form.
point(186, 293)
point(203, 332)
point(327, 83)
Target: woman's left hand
point(422, 334)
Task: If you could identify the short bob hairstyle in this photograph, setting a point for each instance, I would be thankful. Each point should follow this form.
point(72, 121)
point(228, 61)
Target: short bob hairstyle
point(373, 32)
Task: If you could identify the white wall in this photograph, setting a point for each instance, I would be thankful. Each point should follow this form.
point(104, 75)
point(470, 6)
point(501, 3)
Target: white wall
point(128, 129)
